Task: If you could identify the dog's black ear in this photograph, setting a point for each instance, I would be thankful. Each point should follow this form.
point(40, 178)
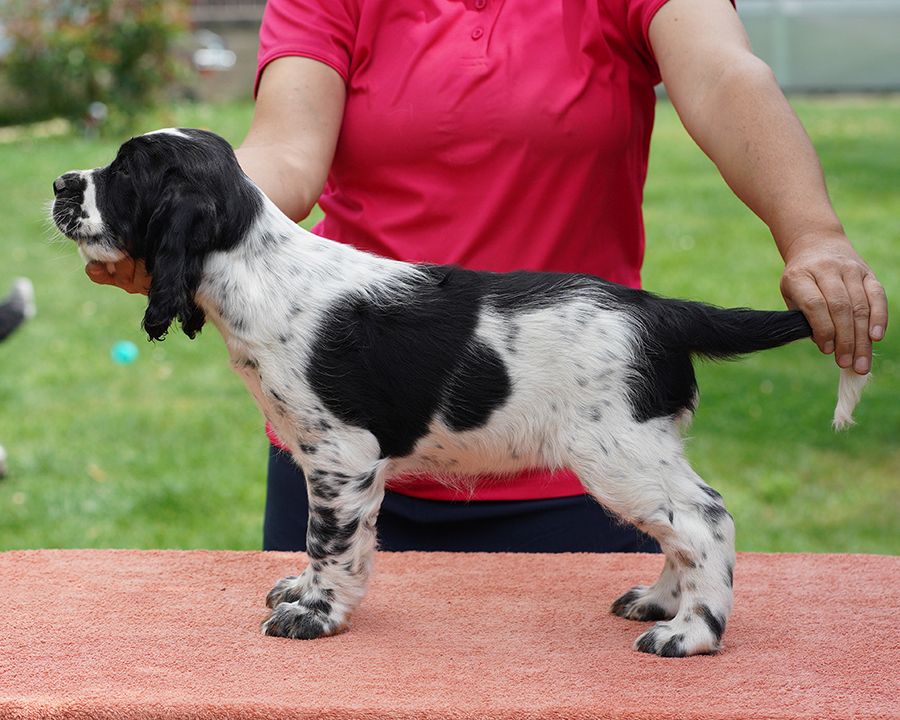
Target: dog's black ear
point(180, 234)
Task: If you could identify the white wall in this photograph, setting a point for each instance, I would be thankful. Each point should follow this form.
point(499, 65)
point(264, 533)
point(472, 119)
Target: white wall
point(827, 45)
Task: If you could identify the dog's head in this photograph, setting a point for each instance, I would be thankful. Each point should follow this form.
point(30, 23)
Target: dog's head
point(168, 198)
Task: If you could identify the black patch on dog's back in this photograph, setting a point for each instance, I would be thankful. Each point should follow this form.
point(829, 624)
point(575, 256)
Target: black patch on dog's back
point(390, 366)
point(524, 290)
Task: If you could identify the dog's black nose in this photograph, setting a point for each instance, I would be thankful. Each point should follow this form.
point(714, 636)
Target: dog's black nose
point(64, 181)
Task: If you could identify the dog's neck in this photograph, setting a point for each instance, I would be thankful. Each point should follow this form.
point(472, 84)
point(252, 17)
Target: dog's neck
point(280, 274)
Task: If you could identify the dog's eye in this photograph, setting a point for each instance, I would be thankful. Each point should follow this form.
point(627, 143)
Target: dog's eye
point(120, 172)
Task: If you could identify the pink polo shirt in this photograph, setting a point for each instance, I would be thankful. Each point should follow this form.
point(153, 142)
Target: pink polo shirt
point(492, 134)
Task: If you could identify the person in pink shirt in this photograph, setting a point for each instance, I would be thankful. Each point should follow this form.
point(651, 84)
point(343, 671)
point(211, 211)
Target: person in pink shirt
point(514, 134)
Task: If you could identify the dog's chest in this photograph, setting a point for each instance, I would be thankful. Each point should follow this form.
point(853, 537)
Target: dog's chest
point(277, 382)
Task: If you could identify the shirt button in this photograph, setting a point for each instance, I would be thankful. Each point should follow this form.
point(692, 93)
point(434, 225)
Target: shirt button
point(480, 4)
point(477, 33)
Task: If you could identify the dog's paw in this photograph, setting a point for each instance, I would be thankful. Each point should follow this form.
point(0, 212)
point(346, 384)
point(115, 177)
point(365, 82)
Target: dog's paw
point(643, 603)
point(300, 622)
point(694, 633)
point(288, 589)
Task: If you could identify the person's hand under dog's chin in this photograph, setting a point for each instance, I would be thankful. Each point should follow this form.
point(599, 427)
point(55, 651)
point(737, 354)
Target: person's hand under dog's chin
point(129, 274)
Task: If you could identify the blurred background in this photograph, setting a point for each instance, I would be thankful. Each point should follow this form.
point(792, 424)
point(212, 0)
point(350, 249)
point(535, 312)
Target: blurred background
point(115, 442)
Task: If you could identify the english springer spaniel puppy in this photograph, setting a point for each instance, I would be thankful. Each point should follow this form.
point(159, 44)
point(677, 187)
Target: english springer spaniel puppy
point(369, 369)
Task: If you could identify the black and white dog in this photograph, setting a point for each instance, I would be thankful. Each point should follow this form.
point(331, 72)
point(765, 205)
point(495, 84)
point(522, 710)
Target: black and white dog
point(369, 369)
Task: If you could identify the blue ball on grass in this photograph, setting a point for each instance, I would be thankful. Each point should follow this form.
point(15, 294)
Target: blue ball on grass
point(124, 352)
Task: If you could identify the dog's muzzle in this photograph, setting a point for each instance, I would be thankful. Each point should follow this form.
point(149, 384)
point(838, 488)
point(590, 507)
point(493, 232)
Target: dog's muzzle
point(68, 209)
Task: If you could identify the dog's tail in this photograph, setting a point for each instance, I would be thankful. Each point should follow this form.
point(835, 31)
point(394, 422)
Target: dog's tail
point(721, 333)
point(849, 391)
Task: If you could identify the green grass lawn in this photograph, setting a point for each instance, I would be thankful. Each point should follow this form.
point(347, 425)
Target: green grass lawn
point(169, 451)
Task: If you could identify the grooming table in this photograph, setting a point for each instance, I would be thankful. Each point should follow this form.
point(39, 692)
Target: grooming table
point(123, 634)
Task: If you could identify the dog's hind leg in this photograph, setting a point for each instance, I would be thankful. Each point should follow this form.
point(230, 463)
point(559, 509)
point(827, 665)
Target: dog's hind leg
point(340, 544)
point(641, 474)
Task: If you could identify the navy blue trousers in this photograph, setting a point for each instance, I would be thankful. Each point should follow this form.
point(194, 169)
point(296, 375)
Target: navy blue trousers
point(569, 524)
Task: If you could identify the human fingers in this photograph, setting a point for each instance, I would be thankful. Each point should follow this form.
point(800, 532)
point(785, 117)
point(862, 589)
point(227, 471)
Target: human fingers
point(99, 273)
point(841, 310)
point(878, 307)
point(127, 274)
point(801, 292)
point(860, 310)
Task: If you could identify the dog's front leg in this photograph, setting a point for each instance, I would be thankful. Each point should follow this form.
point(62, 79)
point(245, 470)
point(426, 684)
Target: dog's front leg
point(340, 542)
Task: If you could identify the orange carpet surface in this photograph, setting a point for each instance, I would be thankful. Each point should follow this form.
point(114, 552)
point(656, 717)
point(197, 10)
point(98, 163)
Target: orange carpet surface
point(166, 634)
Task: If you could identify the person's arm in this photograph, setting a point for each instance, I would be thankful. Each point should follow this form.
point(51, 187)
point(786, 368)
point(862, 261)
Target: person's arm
point(290, 145)
point(732, 106)
point(287, 151)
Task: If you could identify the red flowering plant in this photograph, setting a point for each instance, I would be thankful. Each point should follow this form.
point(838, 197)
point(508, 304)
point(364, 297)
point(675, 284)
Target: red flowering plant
point(66, 55)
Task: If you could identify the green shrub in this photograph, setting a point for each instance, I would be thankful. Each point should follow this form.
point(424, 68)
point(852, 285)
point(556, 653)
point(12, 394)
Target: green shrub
point(67, 55)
